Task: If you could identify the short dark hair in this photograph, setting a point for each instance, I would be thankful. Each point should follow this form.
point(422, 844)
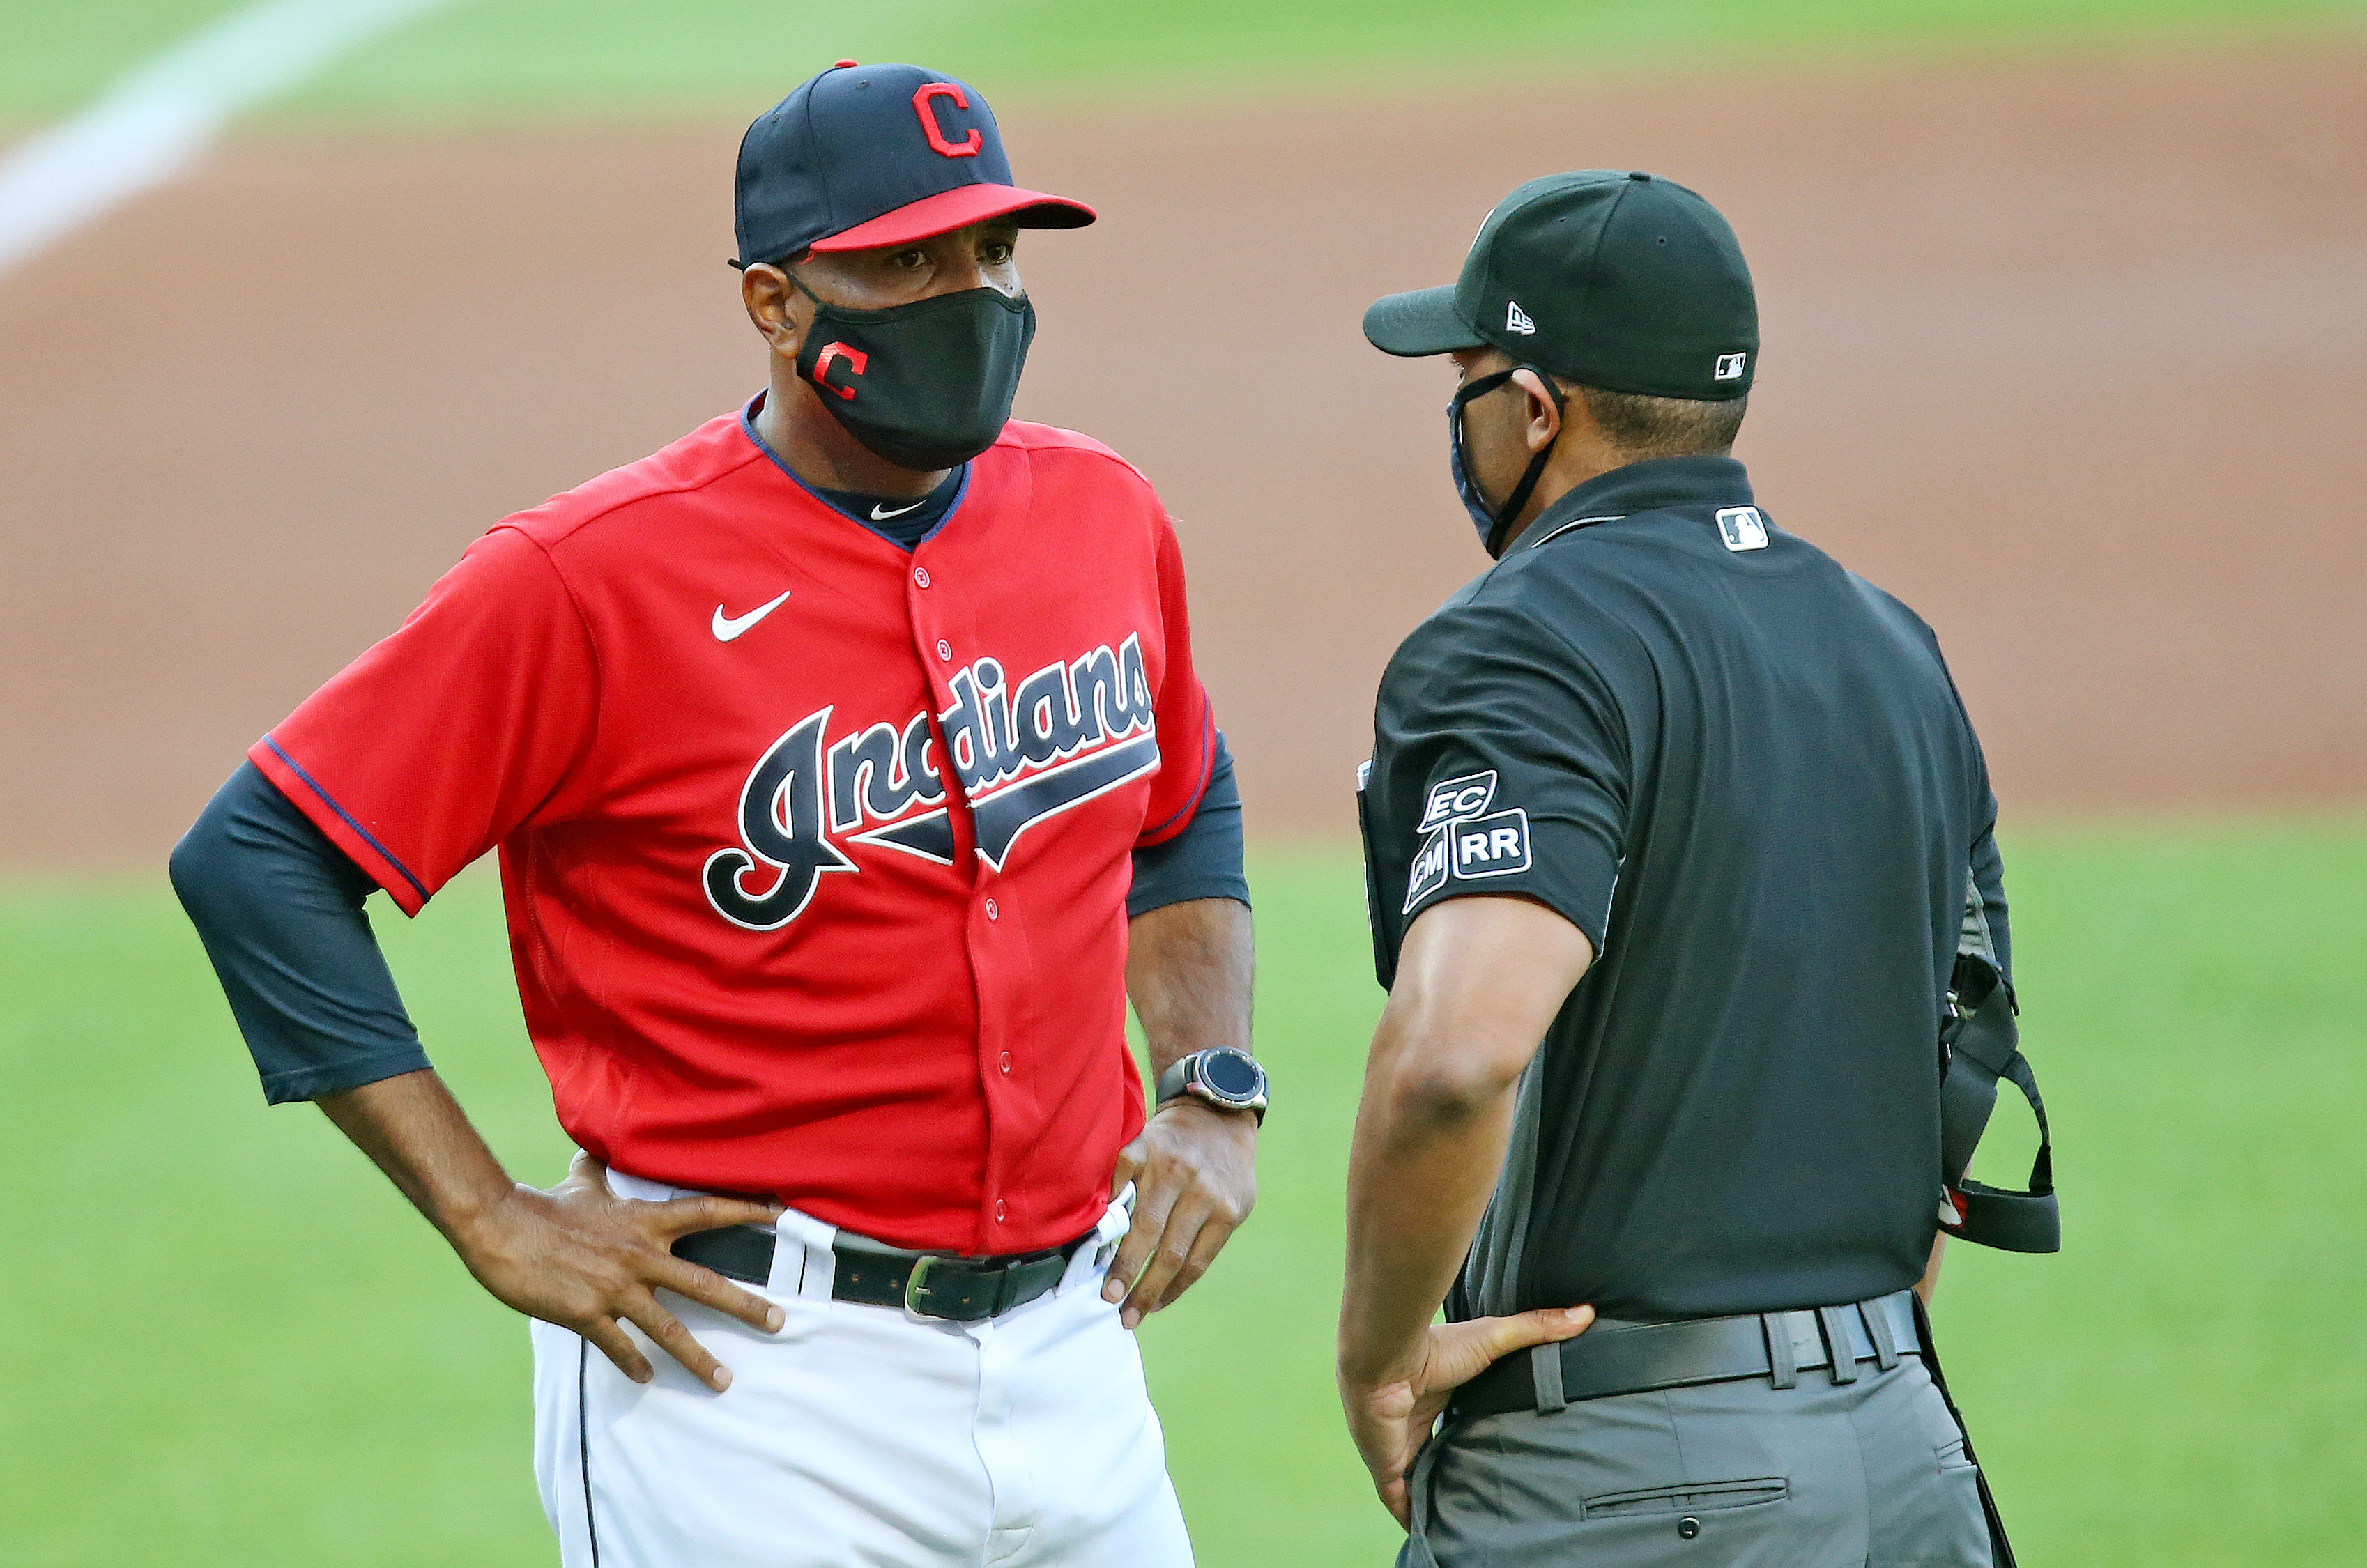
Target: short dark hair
point(1643, 426)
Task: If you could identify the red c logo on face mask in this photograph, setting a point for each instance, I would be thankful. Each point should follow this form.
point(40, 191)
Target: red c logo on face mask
point(857, 360)
point(934, 132)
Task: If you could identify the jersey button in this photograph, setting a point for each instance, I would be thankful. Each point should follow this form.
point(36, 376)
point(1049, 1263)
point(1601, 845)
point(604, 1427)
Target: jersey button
point(921, 575)
point(945, 650)
point(1006, 1062)
point(991, 912)
point(999, 1210)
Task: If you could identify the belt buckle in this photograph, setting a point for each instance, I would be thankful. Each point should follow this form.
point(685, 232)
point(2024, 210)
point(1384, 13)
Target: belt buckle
point(917, 1282)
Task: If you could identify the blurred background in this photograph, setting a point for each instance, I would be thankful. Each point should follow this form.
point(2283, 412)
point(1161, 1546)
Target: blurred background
point(2063, 305)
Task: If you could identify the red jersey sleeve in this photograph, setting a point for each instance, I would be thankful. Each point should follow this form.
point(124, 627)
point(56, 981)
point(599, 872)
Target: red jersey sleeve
point(443, 740)
point(1187, 727)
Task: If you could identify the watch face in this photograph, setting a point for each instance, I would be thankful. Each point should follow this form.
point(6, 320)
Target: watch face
point(1230, 1075)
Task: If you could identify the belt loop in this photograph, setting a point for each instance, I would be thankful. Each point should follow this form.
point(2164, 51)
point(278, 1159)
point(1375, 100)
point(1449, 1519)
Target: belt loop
point(1837, 1344)
point(1544, 1371)
point(1878, 1331)
point(1783, 1367)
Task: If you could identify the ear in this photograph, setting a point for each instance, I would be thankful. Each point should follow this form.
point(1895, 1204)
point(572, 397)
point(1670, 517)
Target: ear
point(775, 308)
point(1541, 419)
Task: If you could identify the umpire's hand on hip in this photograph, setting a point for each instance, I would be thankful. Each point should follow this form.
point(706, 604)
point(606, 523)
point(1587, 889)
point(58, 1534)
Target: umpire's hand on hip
point(1194, 1174)
point(580, 1256)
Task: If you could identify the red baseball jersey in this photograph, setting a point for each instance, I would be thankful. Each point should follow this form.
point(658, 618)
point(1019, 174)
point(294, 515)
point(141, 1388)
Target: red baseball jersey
point(815, 852)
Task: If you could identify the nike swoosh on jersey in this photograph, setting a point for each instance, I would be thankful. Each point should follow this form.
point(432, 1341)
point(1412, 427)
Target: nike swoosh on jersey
point(879, 516)
point(728, 627)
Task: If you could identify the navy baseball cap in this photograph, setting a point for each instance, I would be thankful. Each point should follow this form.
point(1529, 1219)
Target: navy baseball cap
point(862, 156)
point(1616, 278)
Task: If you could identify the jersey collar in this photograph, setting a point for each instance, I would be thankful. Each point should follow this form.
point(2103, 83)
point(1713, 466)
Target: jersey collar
point(1652, 485)
point(748, 411)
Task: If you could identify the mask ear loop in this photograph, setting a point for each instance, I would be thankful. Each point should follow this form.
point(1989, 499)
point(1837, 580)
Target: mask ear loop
point(1535, 470)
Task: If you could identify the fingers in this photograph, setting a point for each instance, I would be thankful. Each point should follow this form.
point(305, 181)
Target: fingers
point(619, 1347)
point(1215, 1231)
point(1150, 1211)
point(1457, 1352)
point(1540, 1327)
point(1168, 1257)
point(680, 1216)
point(1129, 1166)
point(711, 1289)
point(1393, 1497)
point(667, 1333)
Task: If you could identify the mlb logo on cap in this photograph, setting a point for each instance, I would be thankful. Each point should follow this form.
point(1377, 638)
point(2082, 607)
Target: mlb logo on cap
point(1729, 367)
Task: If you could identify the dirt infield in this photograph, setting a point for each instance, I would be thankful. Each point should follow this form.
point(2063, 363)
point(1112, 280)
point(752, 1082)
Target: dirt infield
point(2066, 353)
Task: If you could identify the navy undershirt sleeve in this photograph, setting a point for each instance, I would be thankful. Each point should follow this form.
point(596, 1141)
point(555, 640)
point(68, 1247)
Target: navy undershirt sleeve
point(279, 910)
point(1203, 861)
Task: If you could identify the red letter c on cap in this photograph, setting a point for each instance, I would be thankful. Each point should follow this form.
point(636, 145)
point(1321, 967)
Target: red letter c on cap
point(935, 133)
point(857, 361)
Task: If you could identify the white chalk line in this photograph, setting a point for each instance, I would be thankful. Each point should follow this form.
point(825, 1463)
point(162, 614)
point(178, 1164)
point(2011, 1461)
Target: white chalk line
point(156, 123)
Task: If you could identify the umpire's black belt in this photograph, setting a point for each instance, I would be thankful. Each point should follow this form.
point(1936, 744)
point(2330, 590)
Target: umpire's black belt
point(1613, 1356)
point(962, 1290)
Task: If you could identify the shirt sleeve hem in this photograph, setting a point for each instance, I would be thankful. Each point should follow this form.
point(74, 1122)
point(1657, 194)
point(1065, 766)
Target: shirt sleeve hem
point(1591, 925)
point(322, 810)
point(1237, 888)
point(310, 1083)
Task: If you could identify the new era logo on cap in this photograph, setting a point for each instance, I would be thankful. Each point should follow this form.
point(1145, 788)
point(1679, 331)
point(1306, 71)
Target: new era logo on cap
point(1729, 367)
point(1517, 320)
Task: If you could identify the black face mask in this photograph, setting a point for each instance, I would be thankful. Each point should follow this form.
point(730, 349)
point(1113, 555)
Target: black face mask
point(1492, 522)
point(927, 385)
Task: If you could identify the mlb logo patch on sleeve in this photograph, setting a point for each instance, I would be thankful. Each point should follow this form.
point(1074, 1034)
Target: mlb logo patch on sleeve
point(1491, 846)
point(1742, 527)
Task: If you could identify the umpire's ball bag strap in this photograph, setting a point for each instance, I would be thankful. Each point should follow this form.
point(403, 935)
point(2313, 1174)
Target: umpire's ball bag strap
point(2000, 1549)
point(1979, 1044)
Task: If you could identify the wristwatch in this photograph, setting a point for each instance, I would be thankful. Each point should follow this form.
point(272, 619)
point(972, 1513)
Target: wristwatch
point(1226, 1078)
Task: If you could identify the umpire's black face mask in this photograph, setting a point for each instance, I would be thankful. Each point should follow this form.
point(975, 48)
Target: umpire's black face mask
point(926, 385)
point(1492, 522)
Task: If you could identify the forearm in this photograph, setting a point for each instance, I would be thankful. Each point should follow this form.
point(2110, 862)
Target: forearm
point(1930, 1284)
point(1418, 1178)
point(415, 1132)
point(1189, 971)
point(1478, 981)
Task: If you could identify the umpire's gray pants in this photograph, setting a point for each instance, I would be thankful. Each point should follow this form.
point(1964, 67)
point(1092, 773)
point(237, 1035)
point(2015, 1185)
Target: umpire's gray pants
point(1741, 1474)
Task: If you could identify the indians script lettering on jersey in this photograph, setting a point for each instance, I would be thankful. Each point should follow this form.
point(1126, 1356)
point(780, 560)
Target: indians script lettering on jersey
point(1071, 731)
point(815, 852)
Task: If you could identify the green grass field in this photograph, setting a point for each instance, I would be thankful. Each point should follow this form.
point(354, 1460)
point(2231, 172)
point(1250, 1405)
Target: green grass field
point(223, 1332)
point(510, 60)
point(225, 1341)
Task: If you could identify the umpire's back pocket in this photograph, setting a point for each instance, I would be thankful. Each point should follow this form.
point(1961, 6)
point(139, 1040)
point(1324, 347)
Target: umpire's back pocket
point(1689, 1497)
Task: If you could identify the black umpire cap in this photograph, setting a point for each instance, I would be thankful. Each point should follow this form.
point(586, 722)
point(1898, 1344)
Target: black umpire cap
point(1620, 280)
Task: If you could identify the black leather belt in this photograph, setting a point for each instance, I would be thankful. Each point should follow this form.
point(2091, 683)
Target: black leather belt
point(960, 1290)
point(1614, 1357)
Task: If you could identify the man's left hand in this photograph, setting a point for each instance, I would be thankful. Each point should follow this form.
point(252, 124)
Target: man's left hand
point(1391, 1412)
point(1195, 1175)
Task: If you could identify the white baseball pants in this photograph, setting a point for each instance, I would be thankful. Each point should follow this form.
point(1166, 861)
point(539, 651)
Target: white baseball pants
point(861, 1435)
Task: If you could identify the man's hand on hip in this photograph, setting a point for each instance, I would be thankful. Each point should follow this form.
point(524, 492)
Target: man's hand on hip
point(1391, 1412)
point(580, 1256)
point(1194, 1174)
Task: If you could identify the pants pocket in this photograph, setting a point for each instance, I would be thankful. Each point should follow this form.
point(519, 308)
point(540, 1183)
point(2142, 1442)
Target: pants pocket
point(1688, 1497)
point(1951, 1455)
